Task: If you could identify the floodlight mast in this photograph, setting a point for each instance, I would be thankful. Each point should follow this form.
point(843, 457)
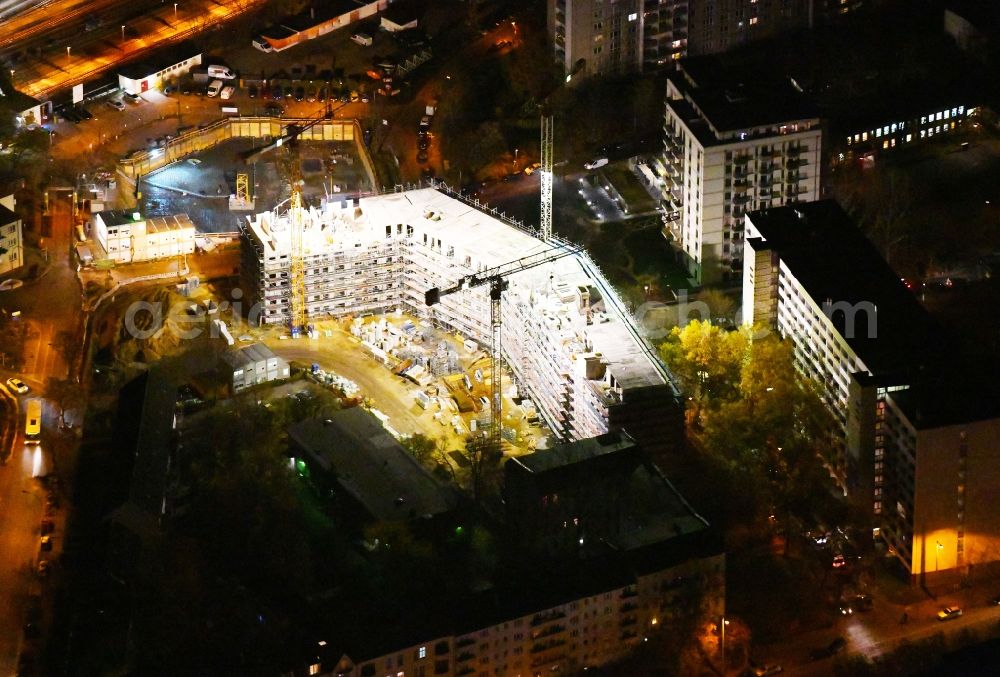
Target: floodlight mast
point(496, 278)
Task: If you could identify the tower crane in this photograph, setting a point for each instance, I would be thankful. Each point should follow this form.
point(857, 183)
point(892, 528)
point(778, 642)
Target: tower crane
point(496, 278)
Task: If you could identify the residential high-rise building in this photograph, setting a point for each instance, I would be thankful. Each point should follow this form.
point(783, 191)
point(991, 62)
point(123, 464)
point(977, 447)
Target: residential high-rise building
point(916, 432)
point(730, 147)
point(596, 37)
point(591, 37)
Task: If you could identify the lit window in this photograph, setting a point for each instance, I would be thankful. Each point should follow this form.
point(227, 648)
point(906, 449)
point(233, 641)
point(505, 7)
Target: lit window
point(864, 136)
point(753, 21)
point(422, 652)
point(633, 16)
point(923, 119)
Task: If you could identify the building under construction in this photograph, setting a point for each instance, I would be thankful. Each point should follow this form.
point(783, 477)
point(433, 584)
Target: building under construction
point(568, 339)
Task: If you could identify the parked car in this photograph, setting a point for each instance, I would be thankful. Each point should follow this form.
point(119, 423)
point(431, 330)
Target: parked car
point(227, 92)
point(17, 385)
point(83, 112)
point(43, 568)
point(69, 114)
point(132, 98)
point(422, 156)
point(311, 95)
point(364, 97)
point(321, 95)
point(300, 93)
point(764, 670)
point(46, 543)
point(831, 649)
point(423, 142)
point(276, 92)
point(949, 613)
point(354, 96)
point(289, 92)
point(252, 91)
point(116, 104)
point(596, 163)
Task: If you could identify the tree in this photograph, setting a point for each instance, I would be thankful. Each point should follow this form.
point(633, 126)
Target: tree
point(719, 303)
point(483, 472)
point(66, 394)
point(707, 359)
point(881, 200)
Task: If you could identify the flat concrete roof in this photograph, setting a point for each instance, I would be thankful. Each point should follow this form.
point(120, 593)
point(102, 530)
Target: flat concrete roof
point(487, 241)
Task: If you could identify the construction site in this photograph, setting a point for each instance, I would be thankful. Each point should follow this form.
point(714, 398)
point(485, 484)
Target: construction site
point(536, 304)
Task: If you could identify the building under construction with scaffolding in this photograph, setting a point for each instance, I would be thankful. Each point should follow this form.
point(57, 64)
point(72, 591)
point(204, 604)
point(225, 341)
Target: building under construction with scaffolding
point(568, 339)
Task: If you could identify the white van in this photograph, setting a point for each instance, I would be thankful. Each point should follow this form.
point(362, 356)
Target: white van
point(261, 43)
point(215, 87)
point(221, 72)
point(362, 39)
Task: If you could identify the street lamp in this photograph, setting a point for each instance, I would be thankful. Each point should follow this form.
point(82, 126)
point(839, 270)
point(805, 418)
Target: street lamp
point(123, 34)
point(515, 158)
point(723, 627)
point(175, 11)
point(67, 50)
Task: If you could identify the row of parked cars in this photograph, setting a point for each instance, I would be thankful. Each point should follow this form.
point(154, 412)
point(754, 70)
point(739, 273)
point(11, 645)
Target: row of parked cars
point(75, 112)
point(311, 93)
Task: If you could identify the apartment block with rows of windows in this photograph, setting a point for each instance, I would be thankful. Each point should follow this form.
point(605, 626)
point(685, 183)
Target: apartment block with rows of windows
point(904, 130)
point(915, 433)
point(11, 242)
point(591, 37)
point(730, 147)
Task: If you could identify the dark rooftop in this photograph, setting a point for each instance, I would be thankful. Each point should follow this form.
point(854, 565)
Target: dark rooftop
point(985, 16)
point(7, 216)
point(834, 261)
point(149, 401)
point(371, 466)
point(118, 217)
point(563, 455)
point(732, 103)
point(160, 60)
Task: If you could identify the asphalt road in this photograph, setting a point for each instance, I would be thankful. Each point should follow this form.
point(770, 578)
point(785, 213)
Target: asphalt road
point(49, 304)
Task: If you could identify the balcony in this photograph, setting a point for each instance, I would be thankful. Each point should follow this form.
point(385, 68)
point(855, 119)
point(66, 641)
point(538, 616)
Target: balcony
point(794, 163)
point(741, 185)
point(766, 167)
point(795, 150)
point(546, 617)
point(741, 159)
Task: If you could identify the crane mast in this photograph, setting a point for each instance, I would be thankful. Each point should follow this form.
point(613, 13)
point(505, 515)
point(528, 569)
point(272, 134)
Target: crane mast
point(545, 180)
point(296, 222)
point(496, 278)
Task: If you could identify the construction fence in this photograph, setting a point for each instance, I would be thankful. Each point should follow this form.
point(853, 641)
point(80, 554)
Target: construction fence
point(133, 168)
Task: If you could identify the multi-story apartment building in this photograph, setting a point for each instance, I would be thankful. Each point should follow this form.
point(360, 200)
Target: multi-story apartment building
point(730, 147)
point(11, 242)
point(568, 338)
point(917, 434)
point(592, 37)
point(651, 560)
